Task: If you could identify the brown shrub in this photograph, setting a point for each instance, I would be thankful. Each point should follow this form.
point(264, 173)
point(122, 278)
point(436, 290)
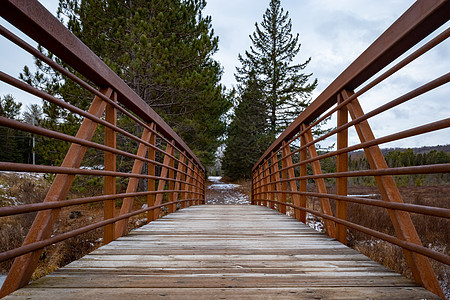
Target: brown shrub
point(20, 189)
point(432, 231)
point(63, 253)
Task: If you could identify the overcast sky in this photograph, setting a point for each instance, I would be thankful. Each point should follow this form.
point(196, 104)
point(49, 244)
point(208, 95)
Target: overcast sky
point(333, 33)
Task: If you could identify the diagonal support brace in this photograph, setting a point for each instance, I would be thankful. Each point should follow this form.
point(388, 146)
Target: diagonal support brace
point(330, 226)
point(404, 228)
point(42, 227)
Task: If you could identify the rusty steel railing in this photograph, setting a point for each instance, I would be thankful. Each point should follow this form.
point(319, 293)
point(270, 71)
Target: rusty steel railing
point(281, 175)
point(173, 174)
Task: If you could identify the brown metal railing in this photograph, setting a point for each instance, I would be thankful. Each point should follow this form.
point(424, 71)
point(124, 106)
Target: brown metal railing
point(281, 176)
point(172, 173)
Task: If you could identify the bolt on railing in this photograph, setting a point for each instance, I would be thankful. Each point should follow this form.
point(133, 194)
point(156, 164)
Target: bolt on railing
point(173, 176)
point(282, 175)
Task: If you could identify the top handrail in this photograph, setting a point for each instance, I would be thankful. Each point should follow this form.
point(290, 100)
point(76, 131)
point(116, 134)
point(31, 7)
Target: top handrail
point(421, 19)
point(49, 32)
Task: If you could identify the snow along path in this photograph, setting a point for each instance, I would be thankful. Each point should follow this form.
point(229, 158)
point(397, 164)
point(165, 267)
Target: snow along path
point(219, 192)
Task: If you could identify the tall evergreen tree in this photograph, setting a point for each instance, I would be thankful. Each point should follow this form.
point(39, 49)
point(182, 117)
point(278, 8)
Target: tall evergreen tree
point(163, 51)
point(286, 90)
point(247, 134)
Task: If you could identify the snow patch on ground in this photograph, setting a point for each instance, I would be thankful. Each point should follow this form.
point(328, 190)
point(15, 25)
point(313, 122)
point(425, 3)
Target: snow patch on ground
point(314, 222)
point(215, 179)
point(24, 174)
point(223, 186)
point(97, 167)
point(235, 198)
point(224, 193)
point(219, 185)
point(7, 197)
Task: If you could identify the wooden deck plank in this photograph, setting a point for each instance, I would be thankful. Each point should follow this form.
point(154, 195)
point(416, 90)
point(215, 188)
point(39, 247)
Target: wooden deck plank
point(232, 280)
point(215, 251)
point(227, 293)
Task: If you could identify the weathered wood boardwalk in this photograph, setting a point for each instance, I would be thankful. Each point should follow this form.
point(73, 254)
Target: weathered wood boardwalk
point(224, 251)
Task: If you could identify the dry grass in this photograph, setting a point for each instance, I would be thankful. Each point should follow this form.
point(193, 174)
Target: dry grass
point(22, 189)
point(432, 231)
point(58, 255)
point(18, 190)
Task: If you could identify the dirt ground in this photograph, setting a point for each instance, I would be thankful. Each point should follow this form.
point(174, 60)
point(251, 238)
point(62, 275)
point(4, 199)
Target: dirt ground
point(220, 192)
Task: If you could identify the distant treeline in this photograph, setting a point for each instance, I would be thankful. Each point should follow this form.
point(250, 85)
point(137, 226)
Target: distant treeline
point(417, 150)
point(404, 158)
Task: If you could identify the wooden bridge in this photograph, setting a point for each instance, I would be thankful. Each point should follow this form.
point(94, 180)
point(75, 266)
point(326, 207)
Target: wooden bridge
point(204, 251)
point(224, 251)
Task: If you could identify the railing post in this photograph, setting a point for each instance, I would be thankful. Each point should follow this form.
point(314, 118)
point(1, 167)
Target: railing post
point(23, 267)
point(252, 195)
point(271, 184)
point(303, 182)
point(162, 182)
point(110, 165)
point(273, 178)
point(420, 265)
point(278, 186)
point(255, 186)
point(284, 184)
point(198, 189)
point(292, 183)
point(127, 204)
point(204, 186)
point(259, 189)
point(189, 180)
point(261, 185)
point(266, 182)
point(195, 185)
point(320, 184)
point(184, 185)
point(170, 183)
point(342, 166)
point(151, 171)
point(178, 185)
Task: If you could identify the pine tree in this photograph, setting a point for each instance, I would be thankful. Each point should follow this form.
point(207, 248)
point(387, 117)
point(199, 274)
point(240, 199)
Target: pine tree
point(9, 108)
point(247, 133)
point(286, 90)
point(14, 145)
point(162, 50)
